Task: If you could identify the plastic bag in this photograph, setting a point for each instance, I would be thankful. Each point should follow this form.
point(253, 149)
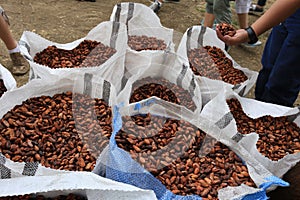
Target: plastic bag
point(110, 34)
point(119, 165)
point(85, 184)
point(198, 37)
point(218, 110)
point(8, 79)
point(141, 21)
point(85, 84)
point(165, 70)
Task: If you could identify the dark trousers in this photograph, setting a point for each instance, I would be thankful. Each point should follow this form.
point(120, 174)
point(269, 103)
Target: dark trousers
point(279, 80)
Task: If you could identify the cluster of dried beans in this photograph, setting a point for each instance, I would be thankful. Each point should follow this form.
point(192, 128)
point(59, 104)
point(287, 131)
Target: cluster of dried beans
point(66, 131)
point(170, 150)
point(277, 135)
point(211, 62)
point(143, 42)
point(226, 29)
point(88, 53)
point(162, 88)
point(2, 87)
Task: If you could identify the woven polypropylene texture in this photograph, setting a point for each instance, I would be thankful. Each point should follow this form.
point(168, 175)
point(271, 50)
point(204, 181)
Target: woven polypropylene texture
point(121, 167)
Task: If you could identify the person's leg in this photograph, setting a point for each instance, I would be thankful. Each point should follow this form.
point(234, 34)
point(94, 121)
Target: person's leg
point(270, 54)
point(243, 20)
point(208, 20)
point(209, 16)
point(242, 9)
point(20, 65)
point(222, 11)
point(259, 7)
point(156, 5)
point(279, 81)
point(6, 35)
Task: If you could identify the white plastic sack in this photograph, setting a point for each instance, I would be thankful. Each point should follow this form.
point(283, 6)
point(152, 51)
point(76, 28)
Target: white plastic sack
point(32, 178)
point(109, 33)
point(85, 184)
point(217, 110)
point(200, 36)
point(95, 87)
point(8, 79)
point(167, 66)
point(117, 160)
point(141, 20)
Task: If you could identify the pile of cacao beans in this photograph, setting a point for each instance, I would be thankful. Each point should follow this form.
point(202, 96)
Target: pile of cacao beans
point(180, 167)
point(162, 88)
point(139, 43)
point(87, 54)
point(66, 131)
point(211, 62)
point(226, 29)
point(278, 136)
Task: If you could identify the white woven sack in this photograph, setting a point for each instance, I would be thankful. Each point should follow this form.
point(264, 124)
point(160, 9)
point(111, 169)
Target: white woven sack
point(164, 65)
point(85, 184)
point(197, 36)
point(109, 33)
point(218, 111)
point(8, 79)
point(22, 178)
point(259, 174)
point(141, 20)
point(95, 87)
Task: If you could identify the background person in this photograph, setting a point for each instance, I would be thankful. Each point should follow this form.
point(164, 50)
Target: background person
point(19, 64)
point(259, 7)
point(219, 11)
point(156, 5)
point(279, 79)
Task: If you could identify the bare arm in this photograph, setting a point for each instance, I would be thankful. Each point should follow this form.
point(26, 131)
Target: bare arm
point(276, 14)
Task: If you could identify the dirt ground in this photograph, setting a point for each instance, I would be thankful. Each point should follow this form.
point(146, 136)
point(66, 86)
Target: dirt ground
point(64, 21)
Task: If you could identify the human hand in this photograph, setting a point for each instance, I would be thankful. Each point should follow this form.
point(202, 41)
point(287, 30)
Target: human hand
point(239, 37)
